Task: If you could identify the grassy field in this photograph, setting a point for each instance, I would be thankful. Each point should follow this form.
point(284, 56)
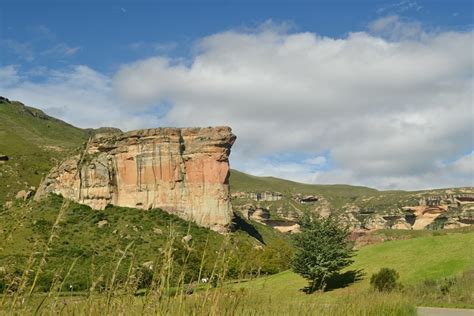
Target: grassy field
point(419, 261)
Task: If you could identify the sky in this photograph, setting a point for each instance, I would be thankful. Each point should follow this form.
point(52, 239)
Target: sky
point(374, 93)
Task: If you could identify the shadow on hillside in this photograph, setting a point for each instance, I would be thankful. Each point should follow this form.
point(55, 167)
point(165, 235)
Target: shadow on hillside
point(238, 223)
point(339, 281)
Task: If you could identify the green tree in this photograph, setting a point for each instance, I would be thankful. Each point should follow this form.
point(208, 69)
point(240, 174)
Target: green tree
point(322, 250)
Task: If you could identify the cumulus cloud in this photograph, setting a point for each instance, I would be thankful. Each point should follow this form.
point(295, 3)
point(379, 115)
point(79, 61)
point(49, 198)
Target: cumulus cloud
point(9, 76)
point(381, 108)
point(394, 28)
point(44, 43)
point(78, 95)
point(316, 161)
point(387, 108)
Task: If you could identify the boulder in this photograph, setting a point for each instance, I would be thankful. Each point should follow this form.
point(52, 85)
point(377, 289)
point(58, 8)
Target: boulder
point(375, 222)
point(23, 195)
point(187, 238)
point(260, 214)
point(148, 265)
point(102, 223)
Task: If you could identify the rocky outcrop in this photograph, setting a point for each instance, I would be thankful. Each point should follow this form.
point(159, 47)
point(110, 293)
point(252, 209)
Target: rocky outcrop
point(182, 171)
point(374, 222)
point(425, 214)
point(401, 223)
point(258, 196)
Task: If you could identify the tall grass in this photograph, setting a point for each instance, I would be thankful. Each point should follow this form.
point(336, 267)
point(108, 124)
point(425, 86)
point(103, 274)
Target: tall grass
point(167, 292)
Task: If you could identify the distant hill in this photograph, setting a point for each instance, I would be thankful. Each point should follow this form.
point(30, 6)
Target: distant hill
point(243, 182)
point(280, 202)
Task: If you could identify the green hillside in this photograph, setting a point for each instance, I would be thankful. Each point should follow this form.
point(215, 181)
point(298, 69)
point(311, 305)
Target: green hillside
point(418, 260)
point(64, 233)
point(247, 183)
point(33, 142)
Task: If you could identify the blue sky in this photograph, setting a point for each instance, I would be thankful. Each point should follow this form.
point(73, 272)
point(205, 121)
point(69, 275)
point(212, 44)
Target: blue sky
point(316, 91)
point(106, 31)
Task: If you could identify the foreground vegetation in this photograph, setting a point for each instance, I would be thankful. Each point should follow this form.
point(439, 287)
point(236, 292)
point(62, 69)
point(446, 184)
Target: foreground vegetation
point(63, 234)
point(434, 271)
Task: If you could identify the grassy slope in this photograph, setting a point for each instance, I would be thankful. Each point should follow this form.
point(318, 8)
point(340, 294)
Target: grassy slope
point(34, 142)
point(25, 229)
point(416, 259)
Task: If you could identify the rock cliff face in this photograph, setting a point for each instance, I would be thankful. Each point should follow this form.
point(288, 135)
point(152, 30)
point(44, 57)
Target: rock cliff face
point(182, 171)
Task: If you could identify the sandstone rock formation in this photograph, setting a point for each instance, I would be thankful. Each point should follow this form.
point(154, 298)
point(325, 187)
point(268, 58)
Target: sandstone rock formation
point(374, 222)
point(182, 171)
point(425, 214)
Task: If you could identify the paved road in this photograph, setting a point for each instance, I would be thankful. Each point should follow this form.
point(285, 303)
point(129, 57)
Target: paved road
point(436, 311)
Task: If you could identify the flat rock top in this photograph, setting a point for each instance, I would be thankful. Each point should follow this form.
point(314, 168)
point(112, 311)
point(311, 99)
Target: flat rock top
point(218, 132)
point(176, 130)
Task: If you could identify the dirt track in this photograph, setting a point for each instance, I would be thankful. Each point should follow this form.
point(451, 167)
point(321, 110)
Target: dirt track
point(436, 311)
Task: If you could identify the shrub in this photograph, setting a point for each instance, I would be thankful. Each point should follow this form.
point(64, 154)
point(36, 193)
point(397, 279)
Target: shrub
point(44, 283)
point(384, 280)
point(145, 278)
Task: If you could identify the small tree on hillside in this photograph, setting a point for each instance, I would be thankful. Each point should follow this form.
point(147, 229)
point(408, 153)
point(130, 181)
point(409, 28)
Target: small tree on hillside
point(322, 250)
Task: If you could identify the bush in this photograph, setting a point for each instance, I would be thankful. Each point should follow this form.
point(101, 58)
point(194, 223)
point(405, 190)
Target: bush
point(145, 278)
point(44, 283)
point(384, 280)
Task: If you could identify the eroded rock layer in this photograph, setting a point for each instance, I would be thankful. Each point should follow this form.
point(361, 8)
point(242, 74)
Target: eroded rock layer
point(182, 171)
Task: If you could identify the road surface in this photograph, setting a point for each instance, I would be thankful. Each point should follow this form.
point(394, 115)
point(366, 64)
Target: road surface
point(436, 311)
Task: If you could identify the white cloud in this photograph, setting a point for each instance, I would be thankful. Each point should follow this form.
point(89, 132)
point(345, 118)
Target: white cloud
point(24, 51)
point(393, 28)
point(8, 76)
point(44, 43)
point(78, 95)
point(464, 166)
point(389, 109)
point(316, 161)
point(62, 49)
point(400, 7)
